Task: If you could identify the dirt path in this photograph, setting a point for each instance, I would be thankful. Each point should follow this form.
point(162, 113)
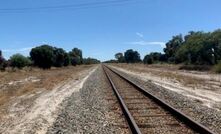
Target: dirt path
point(35, 112)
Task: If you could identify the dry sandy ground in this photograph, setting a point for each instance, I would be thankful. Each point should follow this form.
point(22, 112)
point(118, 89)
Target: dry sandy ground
point(204, 87)
point(29, 100)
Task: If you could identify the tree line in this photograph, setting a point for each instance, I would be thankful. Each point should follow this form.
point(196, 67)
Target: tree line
point(195, 48)
point(46, 56)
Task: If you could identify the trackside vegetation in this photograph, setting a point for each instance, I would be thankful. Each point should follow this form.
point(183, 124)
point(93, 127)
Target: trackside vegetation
point(196, 51)
point(217, 68)
point(46, 56)
point(3, 62)
point(19, 61)
point(195, 48)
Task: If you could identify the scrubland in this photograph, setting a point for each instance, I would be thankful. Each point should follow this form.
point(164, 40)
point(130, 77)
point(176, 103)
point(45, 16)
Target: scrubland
point(30, 98)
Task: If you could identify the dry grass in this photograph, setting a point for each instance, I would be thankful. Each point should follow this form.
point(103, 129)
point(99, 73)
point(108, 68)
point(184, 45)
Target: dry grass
point(15, 83)
point(217, 68)
point(165, 71)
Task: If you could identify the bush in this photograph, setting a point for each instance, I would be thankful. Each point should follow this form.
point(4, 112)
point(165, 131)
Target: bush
point(171, 60)
point(195, 67)
point(148, 59)
point(75, 61)
point(154, 57)
point(76, 56)
point(3, 65)
point(217, 67)
point(89, 60)
point(111, 61)
point(3, 62)
point(120, 57)
point(19, 61)
point(132, 56)
point(66, 59)
point(59, 55)
point(1, 58)
point(43, 56)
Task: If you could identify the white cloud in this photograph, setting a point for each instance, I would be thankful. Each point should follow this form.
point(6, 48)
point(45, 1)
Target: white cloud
point(139, 34)
point(17, 50)
point(145, 43)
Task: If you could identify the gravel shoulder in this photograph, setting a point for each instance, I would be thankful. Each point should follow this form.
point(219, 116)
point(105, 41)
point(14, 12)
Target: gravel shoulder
point(209, 117)
point(91, 110)
point(204, 87)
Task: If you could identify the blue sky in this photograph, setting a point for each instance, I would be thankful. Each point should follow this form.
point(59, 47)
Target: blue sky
point(143, 25)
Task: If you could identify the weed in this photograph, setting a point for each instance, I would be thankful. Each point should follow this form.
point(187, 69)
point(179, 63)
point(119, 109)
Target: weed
point(217, 68)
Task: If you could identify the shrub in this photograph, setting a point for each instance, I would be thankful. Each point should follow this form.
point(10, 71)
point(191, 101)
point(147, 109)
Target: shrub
point(195, 67)
point(1, 58)
point(75, 61)
point(3, 65)
point(59, 55)
point(76, 56)
point(148, 59)
point(19, 61)
point(217, 67)
point(111, 61)
point(3, 62)
point(171, 60)
point(120, 57)
point(132, 56)
point(43, 56)
point(89, 60)
point(66, 59)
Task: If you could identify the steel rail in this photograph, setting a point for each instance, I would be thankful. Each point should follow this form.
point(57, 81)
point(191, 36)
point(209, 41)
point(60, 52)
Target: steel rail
point(131, 122)
point(175, 112)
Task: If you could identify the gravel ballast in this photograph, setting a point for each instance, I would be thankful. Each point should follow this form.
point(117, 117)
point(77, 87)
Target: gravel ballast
point(208, 117)
point(91, 110)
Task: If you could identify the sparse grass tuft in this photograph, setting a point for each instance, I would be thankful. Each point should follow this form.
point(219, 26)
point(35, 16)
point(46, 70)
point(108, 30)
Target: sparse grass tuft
point(47, 80)
point(217, 68)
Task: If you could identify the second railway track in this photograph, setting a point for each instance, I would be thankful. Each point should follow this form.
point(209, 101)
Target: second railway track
point(146, 113)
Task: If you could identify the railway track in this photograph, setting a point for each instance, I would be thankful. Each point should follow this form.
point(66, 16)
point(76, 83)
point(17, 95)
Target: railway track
point(146, 113)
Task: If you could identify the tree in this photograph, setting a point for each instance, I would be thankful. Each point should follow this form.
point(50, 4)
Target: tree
point(66, 59)
point(154, 57)
point(89, 60)
point(76, 56)
point(75, 61)
point(59, 55)
point(132, 56)
point(19, 61)
point(43, 56)
point(1, 58)
point(216, 45)
point(197, 49)
point(3, 63)
point(111, 61)
point(172, 46)
point(163, 58)
point(148, 59)
point(120, 57)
